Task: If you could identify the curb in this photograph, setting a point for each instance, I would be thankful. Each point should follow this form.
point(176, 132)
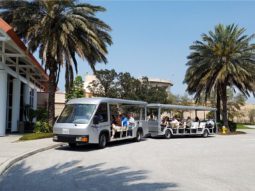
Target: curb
point(10, 162)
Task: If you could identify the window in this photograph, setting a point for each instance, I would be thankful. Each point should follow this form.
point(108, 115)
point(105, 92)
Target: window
point(77, 113)
point(31, 101)
point(138, 112)
point(152, 114)
point(102, 113)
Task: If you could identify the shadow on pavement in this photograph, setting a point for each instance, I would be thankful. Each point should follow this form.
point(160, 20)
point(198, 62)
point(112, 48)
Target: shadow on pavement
point(71, 176)
point(183, 137)
point(94, 147)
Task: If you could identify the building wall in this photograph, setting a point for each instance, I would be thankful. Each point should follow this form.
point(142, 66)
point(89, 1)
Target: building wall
point(160, 83)
point(88, 79)
point(59, 108)
point(21, 76)
point(59, 101)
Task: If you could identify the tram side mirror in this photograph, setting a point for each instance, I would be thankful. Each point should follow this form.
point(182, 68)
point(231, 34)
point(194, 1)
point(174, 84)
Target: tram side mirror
point(96, 120)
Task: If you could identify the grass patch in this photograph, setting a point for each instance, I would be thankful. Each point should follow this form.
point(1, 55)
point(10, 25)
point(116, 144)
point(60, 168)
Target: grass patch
point(34, 136)
point(241, 126)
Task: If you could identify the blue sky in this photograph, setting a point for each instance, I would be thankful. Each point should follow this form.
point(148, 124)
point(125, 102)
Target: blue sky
point(152, 38)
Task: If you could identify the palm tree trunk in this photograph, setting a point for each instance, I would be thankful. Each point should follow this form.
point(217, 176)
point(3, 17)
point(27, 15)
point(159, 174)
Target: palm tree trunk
point(69, 78)
point(67, 84)
point(224, 106)
point(52, 89)
point(218, 105)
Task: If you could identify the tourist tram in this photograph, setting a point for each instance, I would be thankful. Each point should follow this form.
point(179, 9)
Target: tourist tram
point(100, 120)
point(165, 120)
point(103, 120)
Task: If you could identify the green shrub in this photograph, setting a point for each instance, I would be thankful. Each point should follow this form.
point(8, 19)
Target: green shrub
point(41, 114)
point(42, 127)
point(232, 126)
point(29, 114)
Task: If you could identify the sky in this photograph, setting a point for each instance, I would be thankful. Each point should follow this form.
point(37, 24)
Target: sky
point(152, 38)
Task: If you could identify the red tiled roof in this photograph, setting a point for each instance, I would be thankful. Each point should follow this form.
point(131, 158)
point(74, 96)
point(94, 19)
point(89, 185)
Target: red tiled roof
point(9, 31)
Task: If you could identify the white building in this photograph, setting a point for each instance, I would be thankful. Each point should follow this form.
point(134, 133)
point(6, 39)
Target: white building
point(21, 76)
point(60, 101)
point(156, 82)
point(88, 79)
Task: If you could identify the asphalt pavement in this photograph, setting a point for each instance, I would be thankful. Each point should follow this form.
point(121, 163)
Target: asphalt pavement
point(222, 163)
point(13, 150)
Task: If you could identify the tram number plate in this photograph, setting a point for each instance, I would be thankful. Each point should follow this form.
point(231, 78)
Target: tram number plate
point(65, 131)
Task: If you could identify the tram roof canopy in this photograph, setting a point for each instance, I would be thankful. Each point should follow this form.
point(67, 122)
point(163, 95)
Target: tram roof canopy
point(98, 100)
point(181, 107)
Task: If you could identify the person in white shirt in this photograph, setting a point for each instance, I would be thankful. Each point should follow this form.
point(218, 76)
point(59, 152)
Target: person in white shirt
point(131, 124)
point(210, 123)
point(175, 123)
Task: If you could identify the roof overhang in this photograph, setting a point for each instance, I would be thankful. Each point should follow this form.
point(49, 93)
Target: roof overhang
point(16, 55)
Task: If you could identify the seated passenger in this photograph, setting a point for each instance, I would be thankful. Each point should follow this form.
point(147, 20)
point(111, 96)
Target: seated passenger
point(131, 120)
point(188, 123)
point(116, 125)
point(175, 123)
point(113, 120)
point(167, 121)
point(210, 123)
point(124, 120)
point(163, 122)
point(182, 123)
point(197, 119)
point(152, 117)
point(131, 124)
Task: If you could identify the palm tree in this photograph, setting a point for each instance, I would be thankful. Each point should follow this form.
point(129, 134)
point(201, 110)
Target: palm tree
point(60, 30)
point(224, 58)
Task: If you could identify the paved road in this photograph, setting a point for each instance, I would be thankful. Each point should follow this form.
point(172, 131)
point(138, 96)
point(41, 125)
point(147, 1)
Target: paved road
point(218, 163)
point(250, 126)
point(11, 148)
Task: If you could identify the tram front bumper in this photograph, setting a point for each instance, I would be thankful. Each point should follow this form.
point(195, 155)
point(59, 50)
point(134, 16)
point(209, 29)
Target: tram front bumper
point(71, 138)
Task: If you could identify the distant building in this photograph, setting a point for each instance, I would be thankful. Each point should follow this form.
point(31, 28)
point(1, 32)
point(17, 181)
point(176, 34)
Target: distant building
point(156, 82)
point(88, 79)
point(60, 101)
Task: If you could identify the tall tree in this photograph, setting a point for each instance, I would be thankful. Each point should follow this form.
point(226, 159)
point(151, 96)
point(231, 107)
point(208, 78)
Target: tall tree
point(224, 58)
point(61, 30)
point(104, 85)
point(77, 89)
point(184, 100)
point(111, 84)
point(128, 86)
